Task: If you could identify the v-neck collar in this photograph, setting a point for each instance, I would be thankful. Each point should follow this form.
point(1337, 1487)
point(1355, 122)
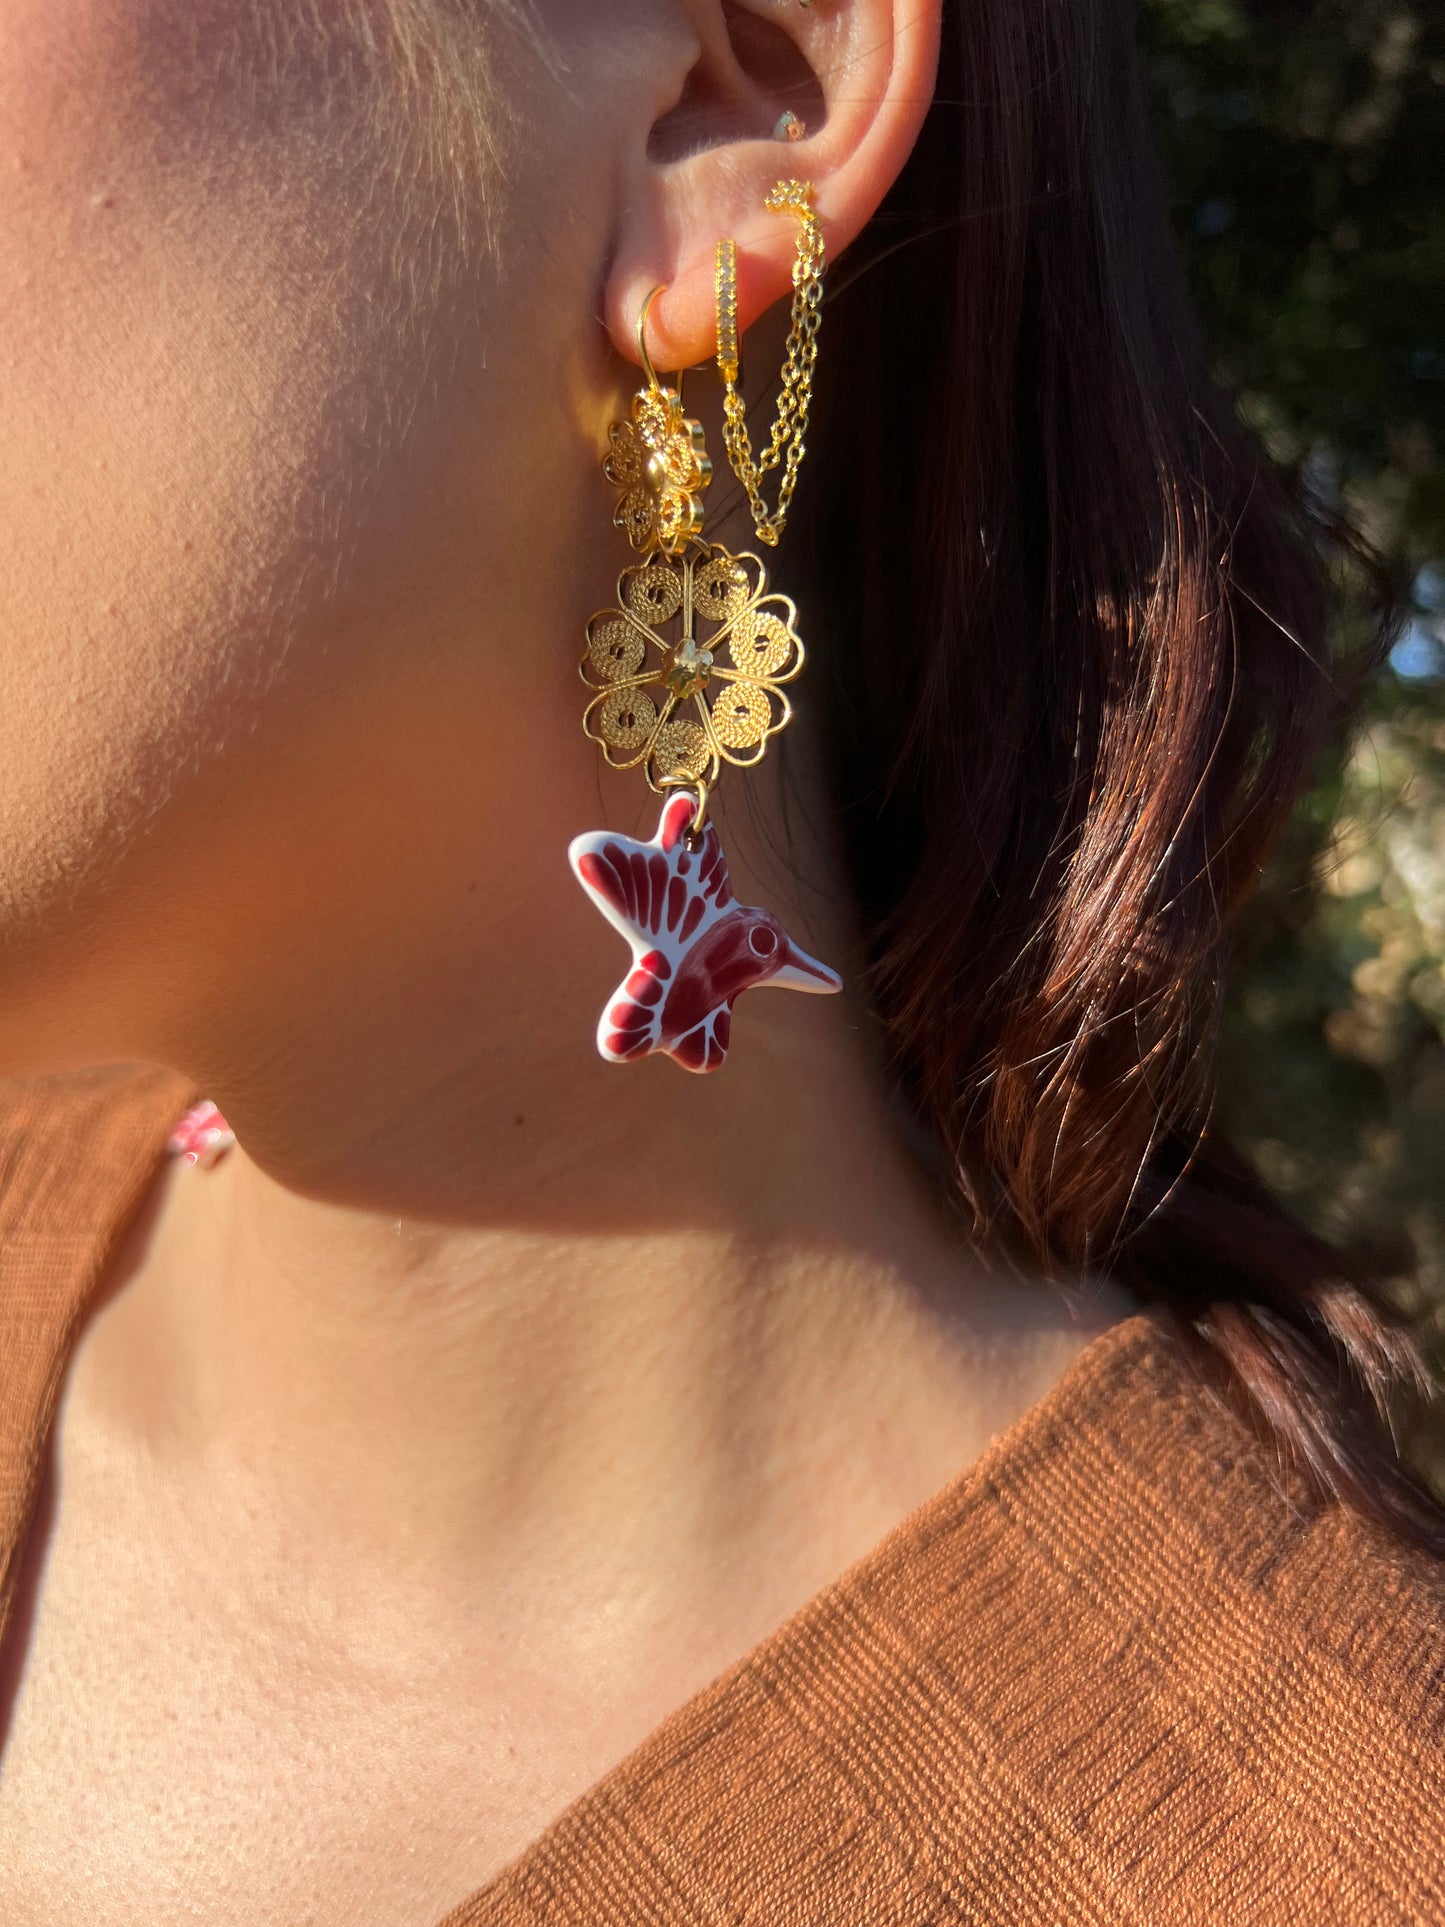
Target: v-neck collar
point(672, 1834)
point(711, 1783)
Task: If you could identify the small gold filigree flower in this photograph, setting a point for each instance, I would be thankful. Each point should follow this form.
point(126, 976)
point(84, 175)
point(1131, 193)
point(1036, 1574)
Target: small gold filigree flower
point(658, 460)
point(687, 672)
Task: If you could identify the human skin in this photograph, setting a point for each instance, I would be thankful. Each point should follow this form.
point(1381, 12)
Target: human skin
point(488, 1399)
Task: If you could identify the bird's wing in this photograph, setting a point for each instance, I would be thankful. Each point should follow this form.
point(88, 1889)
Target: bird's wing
point(659, 895)
point(631, 1020)
point(615, 872)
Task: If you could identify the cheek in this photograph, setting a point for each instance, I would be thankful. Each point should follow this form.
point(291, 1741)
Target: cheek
point(204, 371)
point(266, 435)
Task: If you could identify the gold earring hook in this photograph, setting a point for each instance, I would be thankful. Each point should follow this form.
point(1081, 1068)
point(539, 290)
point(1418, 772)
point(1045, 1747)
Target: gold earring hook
point(643, 355)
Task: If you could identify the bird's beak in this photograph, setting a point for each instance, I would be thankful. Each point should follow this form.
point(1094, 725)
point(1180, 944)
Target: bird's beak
point(801, 972)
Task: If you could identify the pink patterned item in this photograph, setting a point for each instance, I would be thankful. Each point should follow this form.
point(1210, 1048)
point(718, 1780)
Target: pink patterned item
point(201, 1135)
point(695, 948)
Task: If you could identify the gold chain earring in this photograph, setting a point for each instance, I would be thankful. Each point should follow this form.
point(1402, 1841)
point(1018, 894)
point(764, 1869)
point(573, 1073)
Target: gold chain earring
point(689, 670)
point(785, 444)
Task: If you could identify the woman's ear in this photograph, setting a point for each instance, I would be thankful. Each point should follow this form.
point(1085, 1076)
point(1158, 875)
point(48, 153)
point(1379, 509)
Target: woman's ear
point(858, 75)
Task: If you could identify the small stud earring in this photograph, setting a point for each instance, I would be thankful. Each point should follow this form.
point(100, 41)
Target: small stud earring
point(789, 127)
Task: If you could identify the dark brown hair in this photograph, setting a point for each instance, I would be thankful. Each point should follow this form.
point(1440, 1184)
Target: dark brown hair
point(1079, 673)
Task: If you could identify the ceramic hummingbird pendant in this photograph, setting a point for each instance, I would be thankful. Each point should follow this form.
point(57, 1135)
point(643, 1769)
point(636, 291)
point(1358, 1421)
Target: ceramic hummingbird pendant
point(695, 948)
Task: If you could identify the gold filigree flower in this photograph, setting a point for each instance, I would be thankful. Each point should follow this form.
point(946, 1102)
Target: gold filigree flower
point(687, 672)
point(659, 462)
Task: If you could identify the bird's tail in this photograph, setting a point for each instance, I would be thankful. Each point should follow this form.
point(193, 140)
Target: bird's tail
point(631, 1021)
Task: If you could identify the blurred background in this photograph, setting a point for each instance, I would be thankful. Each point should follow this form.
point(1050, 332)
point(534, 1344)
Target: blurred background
point(1304, 150)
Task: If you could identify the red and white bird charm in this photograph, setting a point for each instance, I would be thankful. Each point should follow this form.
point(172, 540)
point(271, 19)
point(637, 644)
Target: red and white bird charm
point(695, 948)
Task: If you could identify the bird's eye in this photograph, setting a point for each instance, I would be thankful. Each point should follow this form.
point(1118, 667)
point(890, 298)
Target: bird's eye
point(762, 941)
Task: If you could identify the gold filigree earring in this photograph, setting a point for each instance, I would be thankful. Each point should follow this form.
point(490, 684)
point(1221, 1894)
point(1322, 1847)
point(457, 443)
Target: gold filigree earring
point(658, 458)
point(688, 671)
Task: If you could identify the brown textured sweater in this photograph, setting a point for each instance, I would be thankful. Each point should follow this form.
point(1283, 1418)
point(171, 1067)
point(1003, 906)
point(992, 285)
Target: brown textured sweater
point(1121, 1672)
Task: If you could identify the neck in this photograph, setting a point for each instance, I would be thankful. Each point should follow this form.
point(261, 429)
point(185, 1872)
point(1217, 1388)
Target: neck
point(624, 1315)
point(461, 1286)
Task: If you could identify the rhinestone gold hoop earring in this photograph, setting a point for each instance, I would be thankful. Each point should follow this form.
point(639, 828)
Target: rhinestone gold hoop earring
point(688, 671)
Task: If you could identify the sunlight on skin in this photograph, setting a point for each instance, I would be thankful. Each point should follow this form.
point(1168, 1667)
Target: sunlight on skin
point(487, 1399)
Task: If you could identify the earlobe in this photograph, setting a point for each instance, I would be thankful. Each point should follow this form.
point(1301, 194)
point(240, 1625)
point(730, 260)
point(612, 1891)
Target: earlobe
point(872, 66)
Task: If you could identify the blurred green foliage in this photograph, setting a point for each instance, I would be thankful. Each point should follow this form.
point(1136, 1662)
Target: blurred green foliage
point(1304, 151)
